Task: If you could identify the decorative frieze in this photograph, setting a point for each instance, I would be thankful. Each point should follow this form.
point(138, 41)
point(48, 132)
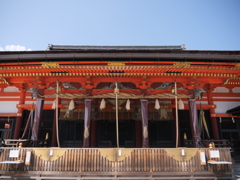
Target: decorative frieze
point(50, 64)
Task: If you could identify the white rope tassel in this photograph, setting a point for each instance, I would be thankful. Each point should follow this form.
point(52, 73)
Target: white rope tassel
point(180, 104)
point(71, 105)
point(86, 132)
point(54, 104)
point(157, 106)
point(145, 131)
point(103, 104)
point(128, 105)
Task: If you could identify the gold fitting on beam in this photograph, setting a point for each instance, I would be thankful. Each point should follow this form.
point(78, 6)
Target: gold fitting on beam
point(182, 64)
point(116, 63)
point(50, 64)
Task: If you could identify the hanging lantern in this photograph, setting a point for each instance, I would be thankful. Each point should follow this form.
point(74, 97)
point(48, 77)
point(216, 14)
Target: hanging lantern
point(128, 105)
point(180, 104)
point(233, 120)
point(157, 106)
point(71, 105)
point(54, 104)
point(103, 104)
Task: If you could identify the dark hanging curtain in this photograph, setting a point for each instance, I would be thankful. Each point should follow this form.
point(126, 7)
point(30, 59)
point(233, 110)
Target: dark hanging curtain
point(87, 121)
point(144, 113)
point(194, 123)
point(37, 120)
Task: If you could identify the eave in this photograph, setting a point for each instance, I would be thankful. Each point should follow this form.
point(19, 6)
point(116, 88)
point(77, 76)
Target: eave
point(126, 55)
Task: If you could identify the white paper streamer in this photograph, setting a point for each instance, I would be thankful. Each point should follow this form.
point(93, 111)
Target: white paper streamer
point(157, 106)
point(128, 105)
point(180, 104)
point(103, 104)
point(54, 104)
point(71, 105)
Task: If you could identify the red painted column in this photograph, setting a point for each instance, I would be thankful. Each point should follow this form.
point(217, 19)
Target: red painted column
point(93, 133)
point(19, 119)
point(213, 119)
point(54, 128)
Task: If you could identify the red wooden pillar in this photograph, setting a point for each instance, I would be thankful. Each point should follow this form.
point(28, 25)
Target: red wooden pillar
point(93, 133)
point(54, 128)
point(213, 119)
point(19, 119)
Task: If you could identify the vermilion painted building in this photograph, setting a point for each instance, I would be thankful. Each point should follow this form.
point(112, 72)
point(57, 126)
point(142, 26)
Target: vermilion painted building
point(118, 112)
point(144, 74)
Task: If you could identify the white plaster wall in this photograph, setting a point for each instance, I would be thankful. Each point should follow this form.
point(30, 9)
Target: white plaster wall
point(8, 106)
point(236, 90)
point(198, 102)
point(48, 102)
point(11, 89)
point(221, 90)
point(45, 102)
point(223, 106)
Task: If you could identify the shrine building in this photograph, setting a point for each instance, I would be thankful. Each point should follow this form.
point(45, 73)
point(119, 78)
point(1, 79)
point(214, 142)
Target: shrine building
point(120, 97)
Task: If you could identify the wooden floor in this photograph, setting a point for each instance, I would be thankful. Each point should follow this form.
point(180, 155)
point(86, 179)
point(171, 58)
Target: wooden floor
point(81, 163)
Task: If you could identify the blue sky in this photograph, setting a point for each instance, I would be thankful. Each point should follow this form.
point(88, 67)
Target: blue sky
point(199, 24)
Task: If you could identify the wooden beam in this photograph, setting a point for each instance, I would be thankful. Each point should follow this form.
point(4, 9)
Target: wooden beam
point(10, 114)
point(48, 106)
point(81, 106)
point(17, 99)
point(222, 115)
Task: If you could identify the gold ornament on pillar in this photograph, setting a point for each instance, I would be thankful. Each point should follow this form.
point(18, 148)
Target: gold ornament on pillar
point(116, 89)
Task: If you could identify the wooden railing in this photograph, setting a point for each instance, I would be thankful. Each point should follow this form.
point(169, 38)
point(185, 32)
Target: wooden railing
point(217, 143)
point(152, 161)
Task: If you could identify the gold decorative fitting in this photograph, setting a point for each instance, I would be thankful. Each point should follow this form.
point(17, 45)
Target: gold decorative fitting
point(116, 63)
point(182, 64)
point(4, 81)
point(50, 64)
point(49, 154)
point(114, 155)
